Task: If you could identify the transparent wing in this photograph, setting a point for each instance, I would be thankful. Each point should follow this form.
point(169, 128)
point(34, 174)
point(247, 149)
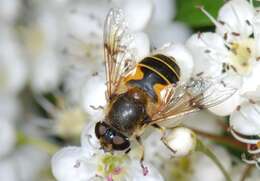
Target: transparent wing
point(198, 93)
point(119, 59)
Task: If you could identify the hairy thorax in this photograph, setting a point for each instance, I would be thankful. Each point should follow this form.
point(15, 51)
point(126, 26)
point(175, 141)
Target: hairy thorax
point(128, 111)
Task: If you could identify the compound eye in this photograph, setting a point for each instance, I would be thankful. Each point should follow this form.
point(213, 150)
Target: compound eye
point(120, 142)
point(100, 129)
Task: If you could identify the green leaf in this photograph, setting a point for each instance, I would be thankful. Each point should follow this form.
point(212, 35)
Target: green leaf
point(188, 12)
point(204, 149)
point(256, 3)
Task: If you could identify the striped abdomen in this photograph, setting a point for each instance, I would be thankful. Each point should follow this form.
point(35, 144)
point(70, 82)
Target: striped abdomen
point(154, 73)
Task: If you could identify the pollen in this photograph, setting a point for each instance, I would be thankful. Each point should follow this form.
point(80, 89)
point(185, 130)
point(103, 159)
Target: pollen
point(242, 56)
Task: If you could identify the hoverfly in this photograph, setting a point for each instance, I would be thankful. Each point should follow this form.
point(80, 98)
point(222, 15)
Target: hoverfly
point(148, 92)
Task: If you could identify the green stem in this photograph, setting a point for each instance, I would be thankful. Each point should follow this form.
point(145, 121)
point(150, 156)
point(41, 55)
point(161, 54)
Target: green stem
point(230, 142)
point(246, 172)
point(204, 149)
point(37, 142)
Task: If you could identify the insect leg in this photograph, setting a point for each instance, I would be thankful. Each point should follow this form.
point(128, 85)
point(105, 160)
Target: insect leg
point(145, 169)
point(127, 151)
point(163, 132)
point(160, 128)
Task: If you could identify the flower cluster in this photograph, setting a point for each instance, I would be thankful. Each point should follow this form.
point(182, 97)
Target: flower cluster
point(233, 49)
point(52, 92)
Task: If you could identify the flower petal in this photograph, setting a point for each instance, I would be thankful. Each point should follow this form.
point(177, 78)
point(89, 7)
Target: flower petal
point(46, 73)
point(228, 106)
point(94, 96)
point(251, 82)
point(208, 56)
point(13, 70)
point(9, 10)
point(8, 169)
point(172, 32)
point(10, 107)
point(138, 13)
point(85, 21)
point(246, 119)
point(164, 12)
point(69, 164)
point(7, 137)
point(203, 121)
point(237, 16)
point(89, 141)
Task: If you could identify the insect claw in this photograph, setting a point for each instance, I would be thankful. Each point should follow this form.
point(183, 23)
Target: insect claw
point(127, 151)
point(145, 169)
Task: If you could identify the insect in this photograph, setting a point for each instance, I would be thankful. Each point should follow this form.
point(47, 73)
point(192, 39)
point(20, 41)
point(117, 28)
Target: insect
point(148, 92)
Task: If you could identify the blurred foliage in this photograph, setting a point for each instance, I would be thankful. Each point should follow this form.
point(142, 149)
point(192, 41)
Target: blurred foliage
point(188, 12)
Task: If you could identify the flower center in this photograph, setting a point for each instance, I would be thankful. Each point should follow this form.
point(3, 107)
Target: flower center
point(112, 166)
point(70, 122)
point(242, 55)
point(34, 40)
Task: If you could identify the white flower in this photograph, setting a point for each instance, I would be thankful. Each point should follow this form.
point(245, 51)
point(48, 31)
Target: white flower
point(245, 127)
point(65, 119)
point(83, 31)
point(245, 119)
point(233, 51)
point(40, 44)
point(13, 70)
point(83, 49)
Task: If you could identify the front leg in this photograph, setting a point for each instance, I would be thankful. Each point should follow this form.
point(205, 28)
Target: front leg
point(145, 169)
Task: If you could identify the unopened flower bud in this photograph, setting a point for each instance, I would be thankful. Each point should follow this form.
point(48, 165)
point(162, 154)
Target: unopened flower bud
point(181, 141)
